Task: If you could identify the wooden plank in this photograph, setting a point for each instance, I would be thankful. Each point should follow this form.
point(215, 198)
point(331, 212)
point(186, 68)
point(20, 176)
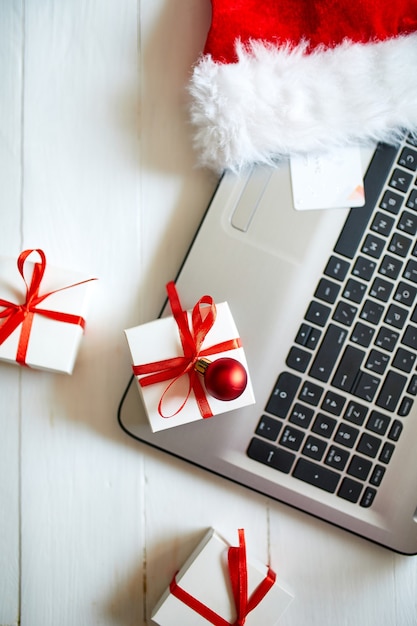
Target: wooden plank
point(11, 46)
point(404, 580)
point(174, 192)
point(337, 578)
point(82, 542)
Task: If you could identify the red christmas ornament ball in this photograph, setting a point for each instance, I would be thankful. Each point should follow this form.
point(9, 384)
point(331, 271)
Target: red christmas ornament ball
point(225, 379)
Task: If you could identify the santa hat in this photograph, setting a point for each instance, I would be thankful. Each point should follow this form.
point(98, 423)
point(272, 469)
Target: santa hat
point(282, 77)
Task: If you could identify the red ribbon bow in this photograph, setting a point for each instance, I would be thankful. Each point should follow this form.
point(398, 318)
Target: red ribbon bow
point(239, 580)
point(16, 314)
point(202, 319)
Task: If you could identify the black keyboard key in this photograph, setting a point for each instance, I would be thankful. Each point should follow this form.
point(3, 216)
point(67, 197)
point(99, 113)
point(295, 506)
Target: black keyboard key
point(350, 490)
point(372, 312)
point(404, 360)
point(391, 202)
point(314, 448)
point(377, 362)
point(405, 407)
point(298, 359)
point(354, 291)
point(291, 438)
point(327, 291)
point(410, 337)
point(317, 313)
point(346, 435)
point(337, 458)
point(408, 159)
point(386, 453)
point(283, 394)
point(359, 467)
point(382, 223)
point(333, 403)
point(396, 316)
point(377, 475)
point(391, 391)
point(412, 387)
point(412, 200)
point(381, 289)
point(345, 313)
point(373, 246)
point(364, 268)
point(395, 430)
point(400, 180)
point(405, 294)
point(269, 454)
point(337, 268)
point(311, 393)
point(316, 475)
point(410, 272)
point(408, 223)
point(324, 425)
point(348, 368)
point(313, 338)
point(386, 338)
point(302, 334)
point(362, 334)
point(366, 386)
point(328, 353)
point(368, 497)
point(355, 413)
point(301, 415)
point(378, 422)
point(369, 445)
point(391, 266)
point(400, 244)
point(268, 428)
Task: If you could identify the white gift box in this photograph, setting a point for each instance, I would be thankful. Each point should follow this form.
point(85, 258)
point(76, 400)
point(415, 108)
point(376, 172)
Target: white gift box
point(53, 345)
point(205, 576)
point(158, 340)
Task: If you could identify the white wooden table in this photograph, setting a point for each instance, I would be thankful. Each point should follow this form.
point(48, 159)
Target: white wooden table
point(96, 168)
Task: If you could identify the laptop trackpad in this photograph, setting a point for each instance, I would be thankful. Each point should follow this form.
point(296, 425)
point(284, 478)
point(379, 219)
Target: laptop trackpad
point(265, 215)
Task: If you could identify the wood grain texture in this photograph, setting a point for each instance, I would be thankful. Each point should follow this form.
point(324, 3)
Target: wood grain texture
point(11, 53)
point(97, 168)
point(80, 548)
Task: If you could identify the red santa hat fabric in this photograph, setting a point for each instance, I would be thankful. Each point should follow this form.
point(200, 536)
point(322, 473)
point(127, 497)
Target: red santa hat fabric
point(282, 77)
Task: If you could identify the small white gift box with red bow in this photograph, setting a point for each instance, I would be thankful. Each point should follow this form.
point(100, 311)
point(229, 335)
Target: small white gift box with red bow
point(42, 312)
point(173, 356)
point(219, 585)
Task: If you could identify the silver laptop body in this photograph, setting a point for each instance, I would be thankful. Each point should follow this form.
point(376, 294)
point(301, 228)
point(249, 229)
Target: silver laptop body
point(263, 257)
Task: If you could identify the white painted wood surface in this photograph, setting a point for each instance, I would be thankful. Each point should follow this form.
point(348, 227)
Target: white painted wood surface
point(96, 168)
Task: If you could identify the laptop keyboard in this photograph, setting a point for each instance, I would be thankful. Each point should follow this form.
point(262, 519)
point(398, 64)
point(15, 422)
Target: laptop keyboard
point(337, 412)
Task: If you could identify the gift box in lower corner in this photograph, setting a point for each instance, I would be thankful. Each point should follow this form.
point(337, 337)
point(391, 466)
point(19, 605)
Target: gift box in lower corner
point(42, 312)
point(220, 585)
point(169, 398)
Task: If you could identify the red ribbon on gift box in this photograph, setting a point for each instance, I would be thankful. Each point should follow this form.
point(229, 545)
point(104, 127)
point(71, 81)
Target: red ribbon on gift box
point(22, 314)
point(203, 317)
point(239, 580)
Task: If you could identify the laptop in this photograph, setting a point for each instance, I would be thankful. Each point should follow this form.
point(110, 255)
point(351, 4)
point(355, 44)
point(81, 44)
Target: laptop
point(325, 302)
